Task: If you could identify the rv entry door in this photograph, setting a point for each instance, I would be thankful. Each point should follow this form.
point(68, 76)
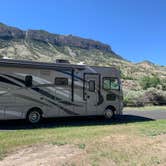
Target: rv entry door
point(91, 92)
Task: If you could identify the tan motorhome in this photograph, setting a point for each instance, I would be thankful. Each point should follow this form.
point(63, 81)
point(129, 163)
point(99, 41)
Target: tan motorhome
point(35, 90)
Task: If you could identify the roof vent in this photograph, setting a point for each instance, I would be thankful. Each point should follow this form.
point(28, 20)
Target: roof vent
point(62, 61)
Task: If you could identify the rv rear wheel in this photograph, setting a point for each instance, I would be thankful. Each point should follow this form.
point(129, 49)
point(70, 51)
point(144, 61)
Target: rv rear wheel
point(34, 116)
point(109, 113)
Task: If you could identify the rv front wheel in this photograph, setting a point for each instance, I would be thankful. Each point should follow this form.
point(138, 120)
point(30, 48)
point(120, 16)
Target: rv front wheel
point(34, 116)
point(108, 113)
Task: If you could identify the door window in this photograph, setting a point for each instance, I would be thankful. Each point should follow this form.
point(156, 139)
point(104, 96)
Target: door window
point(92, 86)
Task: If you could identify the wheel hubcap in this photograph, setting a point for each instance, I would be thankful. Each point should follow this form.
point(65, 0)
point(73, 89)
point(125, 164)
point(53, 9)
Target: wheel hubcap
point(34, 117)
point(109, 113)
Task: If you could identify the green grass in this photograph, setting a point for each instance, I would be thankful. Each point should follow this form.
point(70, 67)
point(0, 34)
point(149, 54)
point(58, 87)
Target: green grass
point(91, 138)
point(146, 108)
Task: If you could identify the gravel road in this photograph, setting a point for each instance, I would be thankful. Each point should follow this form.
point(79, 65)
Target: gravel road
point(148, 114)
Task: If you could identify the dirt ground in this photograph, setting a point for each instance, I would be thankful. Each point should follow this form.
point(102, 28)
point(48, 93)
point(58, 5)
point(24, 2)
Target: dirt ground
point(46, 155)
point(146, 148)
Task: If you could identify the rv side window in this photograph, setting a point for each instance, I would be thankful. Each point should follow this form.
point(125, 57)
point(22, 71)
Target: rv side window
point(92, 86)
point(111, 84)
point(61, 81)
point(28, 81)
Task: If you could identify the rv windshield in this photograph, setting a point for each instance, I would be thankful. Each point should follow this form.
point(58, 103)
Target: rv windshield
point(111, 83)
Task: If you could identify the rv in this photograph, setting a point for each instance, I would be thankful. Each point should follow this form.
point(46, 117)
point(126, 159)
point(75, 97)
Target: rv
point(35, 90)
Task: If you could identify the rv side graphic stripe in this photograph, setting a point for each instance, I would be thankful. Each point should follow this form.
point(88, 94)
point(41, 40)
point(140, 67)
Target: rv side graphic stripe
point(15, 78)
point(3, 93)
point(43, 92)
point(61, 71)
point(64, 109)
point(31, 99)
point(5, 80)
point(2, 79)
point(69, 73)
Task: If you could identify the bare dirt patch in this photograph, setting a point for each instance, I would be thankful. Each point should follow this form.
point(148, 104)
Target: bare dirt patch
point(117, 149)
point(43, 155)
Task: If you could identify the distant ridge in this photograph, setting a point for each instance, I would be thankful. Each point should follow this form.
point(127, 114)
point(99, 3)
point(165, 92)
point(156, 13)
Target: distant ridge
point(12, 33)
point(147, 62)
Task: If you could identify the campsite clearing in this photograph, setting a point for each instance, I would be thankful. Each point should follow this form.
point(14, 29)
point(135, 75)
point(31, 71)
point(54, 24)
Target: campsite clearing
point(100, 143)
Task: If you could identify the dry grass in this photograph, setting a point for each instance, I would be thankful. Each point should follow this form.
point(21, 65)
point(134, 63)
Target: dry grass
point(141, 143)
point(129, 150)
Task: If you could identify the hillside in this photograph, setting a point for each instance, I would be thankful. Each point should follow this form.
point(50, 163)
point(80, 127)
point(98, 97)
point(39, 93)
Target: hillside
point(45, 46)
point(39, 45)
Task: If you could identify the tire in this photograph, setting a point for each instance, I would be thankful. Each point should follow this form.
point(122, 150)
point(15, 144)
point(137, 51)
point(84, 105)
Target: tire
point(109, 113)
point(34, 116)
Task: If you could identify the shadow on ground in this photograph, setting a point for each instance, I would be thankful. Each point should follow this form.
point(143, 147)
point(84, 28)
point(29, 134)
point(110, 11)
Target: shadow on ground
point(70, 121)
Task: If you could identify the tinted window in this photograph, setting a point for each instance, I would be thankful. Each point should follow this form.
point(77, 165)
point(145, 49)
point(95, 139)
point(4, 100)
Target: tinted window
point(61, 81)
point(92, 86)
point(28, 81)
point(111, 97)
point(110, 84)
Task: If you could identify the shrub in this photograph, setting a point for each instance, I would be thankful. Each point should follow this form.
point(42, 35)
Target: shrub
point(148, 82)
point(163, 83)
point(150, 96)
point(156, 97)
point(133, 98)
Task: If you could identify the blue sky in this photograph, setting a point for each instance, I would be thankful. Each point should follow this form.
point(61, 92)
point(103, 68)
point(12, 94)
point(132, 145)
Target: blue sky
point(135, 29)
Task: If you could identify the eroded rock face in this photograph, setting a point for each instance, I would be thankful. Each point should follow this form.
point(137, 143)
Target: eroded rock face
point(68, 40)
point(7, 32)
